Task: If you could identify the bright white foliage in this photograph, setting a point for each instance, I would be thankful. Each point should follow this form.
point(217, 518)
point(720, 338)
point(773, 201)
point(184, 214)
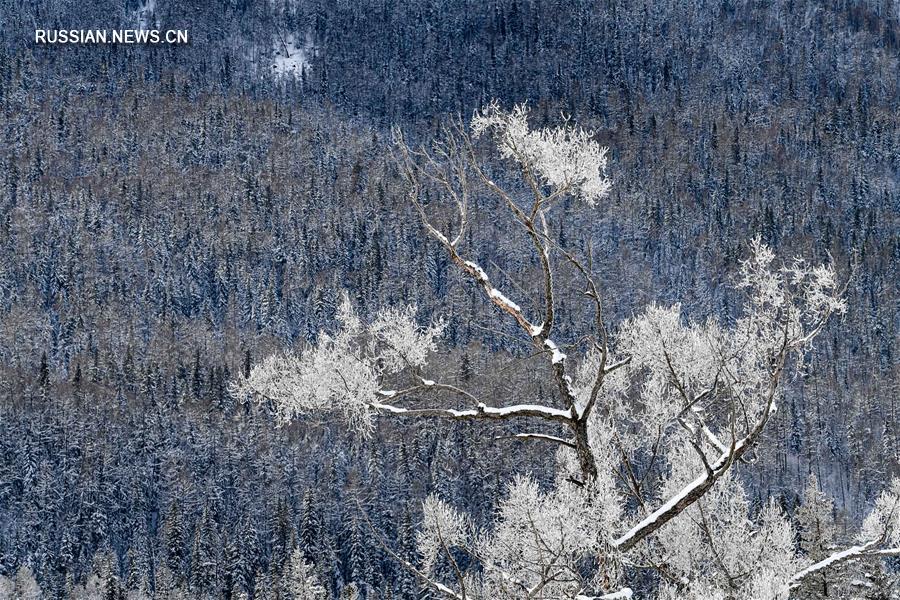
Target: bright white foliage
point(443, 529)
point(538, 541)
point(720, 550)
point(659, 342)
point(21, 586)
point(343, 371)
point(690, 393)
point(301, 581)
point(883, 523)
point(675, 361)
point(794, 298)
point(719, 547)
point(404, 343)
point(716, 545)
point(545, 531)
point(564, 157)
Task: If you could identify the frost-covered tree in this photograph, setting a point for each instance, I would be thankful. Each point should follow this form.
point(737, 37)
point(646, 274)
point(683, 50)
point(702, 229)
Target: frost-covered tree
point(649, 417)
point(878, 538)
point(301, 582)
point(102, 581)
point(21, 585)
point(816, 532)
point(815, 520)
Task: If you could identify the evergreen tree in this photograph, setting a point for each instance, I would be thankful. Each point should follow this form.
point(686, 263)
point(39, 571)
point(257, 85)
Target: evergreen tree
point(22, 586)
point(204, 553)
point(816, 527)
point(301, 582)
point(174, 541)
point(815, 520)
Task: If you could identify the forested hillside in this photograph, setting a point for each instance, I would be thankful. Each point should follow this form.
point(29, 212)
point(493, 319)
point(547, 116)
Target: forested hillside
point(170, 215)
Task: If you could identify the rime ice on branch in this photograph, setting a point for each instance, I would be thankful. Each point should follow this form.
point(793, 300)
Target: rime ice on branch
point(654, 418)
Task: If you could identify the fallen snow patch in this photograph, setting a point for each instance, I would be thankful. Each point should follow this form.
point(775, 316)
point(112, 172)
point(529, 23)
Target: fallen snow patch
point(290, 56)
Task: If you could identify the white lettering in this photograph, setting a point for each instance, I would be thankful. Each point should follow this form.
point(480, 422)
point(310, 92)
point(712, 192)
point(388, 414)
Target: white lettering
point(177, 36)
point(114, 36)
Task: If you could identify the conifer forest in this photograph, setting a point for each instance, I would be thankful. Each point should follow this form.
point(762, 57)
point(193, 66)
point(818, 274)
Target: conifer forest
point(450, 299)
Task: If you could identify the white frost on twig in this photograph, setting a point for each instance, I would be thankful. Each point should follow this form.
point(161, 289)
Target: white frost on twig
point(566, 158)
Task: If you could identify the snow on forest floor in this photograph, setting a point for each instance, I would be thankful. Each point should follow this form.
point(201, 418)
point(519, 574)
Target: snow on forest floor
point(290, 56)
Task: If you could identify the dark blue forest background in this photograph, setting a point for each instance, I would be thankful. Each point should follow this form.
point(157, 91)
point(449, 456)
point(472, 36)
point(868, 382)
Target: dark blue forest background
point(171, 214)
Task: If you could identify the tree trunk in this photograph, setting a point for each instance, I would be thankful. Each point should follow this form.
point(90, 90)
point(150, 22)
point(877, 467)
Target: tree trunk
point(583, 450)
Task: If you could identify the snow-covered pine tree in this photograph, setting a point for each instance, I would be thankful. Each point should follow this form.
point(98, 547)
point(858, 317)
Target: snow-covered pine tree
point(310, 524)
point(204, 579)
point(282, 540)
point(21, 586)
point(231, 569)
point(174, 539)
point(249, 546)
point(300, 579)
point(164, 585)
point(816, 534)
point(137, 582)
point(647, 422)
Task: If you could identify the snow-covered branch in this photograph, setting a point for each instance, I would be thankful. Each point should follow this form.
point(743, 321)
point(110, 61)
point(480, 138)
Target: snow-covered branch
point(481, 411)
point(637, 407)
point(540, 437)
point(879, 538)
point(623, 594)
point(553, 163)
point(862, 552)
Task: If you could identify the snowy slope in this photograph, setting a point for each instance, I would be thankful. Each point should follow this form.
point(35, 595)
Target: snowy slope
point(290, 56)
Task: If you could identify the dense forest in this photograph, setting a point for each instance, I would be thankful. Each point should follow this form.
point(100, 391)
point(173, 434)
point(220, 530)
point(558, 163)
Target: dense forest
point(169, 215)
